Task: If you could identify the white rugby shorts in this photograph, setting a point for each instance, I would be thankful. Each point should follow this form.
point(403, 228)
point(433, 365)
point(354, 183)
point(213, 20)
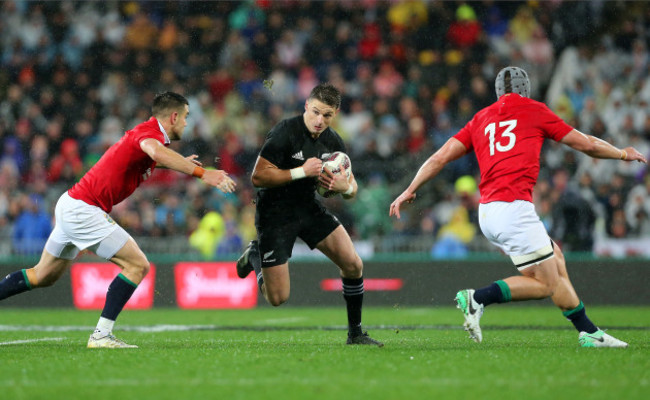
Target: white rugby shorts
point(516, 229)
point(79, 226)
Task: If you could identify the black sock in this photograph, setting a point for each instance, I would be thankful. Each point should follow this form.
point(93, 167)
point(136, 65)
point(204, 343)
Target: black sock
point(498, 292)
point(14, 283)
point(353, 294)
point(119, 292)
point(256, 262)
point(579, 319)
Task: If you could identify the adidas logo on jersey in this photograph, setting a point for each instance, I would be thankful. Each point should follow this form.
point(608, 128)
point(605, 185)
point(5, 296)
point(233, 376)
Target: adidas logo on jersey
point(298, 156)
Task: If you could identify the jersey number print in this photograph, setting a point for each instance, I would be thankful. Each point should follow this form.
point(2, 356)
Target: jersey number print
point(490, 130)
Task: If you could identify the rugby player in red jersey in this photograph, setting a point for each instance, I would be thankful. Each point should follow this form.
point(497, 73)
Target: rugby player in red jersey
point(82, 220)
point(507, 138)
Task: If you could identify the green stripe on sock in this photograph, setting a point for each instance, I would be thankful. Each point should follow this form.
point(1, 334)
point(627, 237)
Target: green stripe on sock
point(29, 285)
point(575, 310)
point(127, 280)
point(505, 291)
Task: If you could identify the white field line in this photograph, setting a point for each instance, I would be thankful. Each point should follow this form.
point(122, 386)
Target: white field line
point(272, 325)
point(79, 328)
point(23, 341)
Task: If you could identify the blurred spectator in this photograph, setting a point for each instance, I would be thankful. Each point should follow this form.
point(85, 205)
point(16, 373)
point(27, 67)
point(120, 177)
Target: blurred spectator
point(230, 155)
point(13, 153)
point(247, 224)
point(523, 24)
point(356, 126)
point(388, 81)
point(460, 229)
point(466, 30)
point(495, 24)
point(371, 42)
point(454, 236)
point(170, 214)
point(32, 226)
point(539, 53)
point(573, 218)
point(637, 209)
point(369, 207)
point(168, 37)
point(231, 242)
point(66, 166)
point(207, 236)
point(407, 14)
point(235, 51)
point(306, 81)
point(141, 33)
point(289, 49)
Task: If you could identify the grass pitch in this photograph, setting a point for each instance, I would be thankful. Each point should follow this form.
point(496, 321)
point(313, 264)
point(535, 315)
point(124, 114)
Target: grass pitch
point(299, 353)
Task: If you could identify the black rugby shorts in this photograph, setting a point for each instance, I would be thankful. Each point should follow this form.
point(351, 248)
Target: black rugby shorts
point(279, 227)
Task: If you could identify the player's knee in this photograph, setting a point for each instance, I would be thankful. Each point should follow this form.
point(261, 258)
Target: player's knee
point(550, 290)
point(145, 267)
point(550, 286)
point(138, 269)
point(353, 269)
point(276, 299)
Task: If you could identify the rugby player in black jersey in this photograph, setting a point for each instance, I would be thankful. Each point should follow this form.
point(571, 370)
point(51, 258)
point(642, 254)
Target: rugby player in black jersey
point(286, 172)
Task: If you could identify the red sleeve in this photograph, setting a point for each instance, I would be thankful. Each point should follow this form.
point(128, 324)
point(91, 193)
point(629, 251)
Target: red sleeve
point(465, 135)
point(552, 125)
point(148, 134)
point(146, 130)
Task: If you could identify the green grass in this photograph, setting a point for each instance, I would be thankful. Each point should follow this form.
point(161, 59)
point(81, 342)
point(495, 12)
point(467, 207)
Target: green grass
point(299, 353)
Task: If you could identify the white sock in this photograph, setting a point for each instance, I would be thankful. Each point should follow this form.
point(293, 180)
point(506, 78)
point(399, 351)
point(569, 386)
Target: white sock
point(104, 327)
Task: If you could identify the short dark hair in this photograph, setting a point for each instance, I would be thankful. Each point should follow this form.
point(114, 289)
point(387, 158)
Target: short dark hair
point(327, 94)
point(167, 102)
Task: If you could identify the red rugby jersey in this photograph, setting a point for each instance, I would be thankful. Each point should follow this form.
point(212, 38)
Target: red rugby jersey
point(507, 138)
point(121, 169)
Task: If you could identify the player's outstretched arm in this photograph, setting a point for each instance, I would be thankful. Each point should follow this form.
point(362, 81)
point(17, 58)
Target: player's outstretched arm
point(267, 175)
point(452, 150)
point(598, 148)
point(217, 178)
point(188, 165)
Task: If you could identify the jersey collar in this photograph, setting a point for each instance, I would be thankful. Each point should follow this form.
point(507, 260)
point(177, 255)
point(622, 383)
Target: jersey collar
point(167, 140)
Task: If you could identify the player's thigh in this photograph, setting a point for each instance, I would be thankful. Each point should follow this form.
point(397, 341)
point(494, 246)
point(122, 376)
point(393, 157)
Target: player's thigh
point(545, 272)
point(561, 262)
point(48, 270)
point(276, 278)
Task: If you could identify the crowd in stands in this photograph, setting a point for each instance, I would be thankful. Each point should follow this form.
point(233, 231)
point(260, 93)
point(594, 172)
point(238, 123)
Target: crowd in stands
point(75, 75)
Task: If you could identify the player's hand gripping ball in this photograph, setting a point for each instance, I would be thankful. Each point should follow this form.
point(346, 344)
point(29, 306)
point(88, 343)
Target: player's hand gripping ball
point(339, 164)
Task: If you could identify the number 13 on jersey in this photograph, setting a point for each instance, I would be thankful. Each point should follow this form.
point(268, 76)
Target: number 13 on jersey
point(490, 130)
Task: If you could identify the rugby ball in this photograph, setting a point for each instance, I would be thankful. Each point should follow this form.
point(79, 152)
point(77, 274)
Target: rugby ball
point(339, 163)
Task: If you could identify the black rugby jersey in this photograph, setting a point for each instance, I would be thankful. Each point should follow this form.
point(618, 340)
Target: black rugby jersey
point(288, 145)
